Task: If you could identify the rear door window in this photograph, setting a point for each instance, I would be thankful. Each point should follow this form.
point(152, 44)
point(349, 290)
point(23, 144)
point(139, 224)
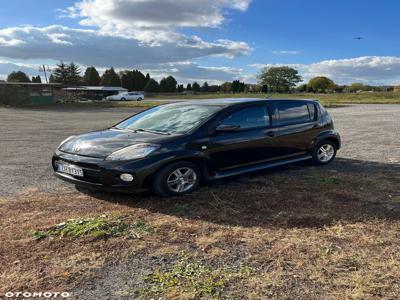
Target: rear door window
point(250, 117)
point(294, 112)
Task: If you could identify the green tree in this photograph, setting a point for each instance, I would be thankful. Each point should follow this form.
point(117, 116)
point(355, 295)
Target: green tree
point(189, 87)
point(279, 79)
point(74, 74)
point(321, 84)
point(302, 88)
point(226, 87)
point(196, 87)
point(237, 86)
point(91, 77)
point(168, 84)
point(36, 79)
point(110, 78)
point(139, 79)
point(213, 88)
point(355, 87)
point(180, 88)
point(60, 73)
point(128, 80)
point(152, 86)
point(205, 87)
point(18, 76)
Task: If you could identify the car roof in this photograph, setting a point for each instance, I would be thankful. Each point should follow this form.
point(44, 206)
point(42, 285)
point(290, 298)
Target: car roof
point(235, 101)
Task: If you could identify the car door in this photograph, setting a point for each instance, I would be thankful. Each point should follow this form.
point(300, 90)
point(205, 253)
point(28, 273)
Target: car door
point(130, 96)
point(251, 143)
point(297, 126)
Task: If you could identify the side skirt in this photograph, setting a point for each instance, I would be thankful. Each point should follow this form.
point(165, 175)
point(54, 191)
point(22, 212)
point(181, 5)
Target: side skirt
point(258, 167)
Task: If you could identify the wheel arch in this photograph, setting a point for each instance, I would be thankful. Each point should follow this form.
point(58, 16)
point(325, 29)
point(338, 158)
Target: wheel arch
point(331, 136)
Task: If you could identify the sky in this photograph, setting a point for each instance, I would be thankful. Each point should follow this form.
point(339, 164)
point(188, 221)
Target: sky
point(206, 40)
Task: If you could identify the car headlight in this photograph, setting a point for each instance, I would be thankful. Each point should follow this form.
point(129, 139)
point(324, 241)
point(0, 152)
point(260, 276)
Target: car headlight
point(66, 140)
point(133, 152)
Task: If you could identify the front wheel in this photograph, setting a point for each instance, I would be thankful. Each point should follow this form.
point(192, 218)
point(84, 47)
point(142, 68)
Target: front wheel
point(139, 99)
point(176, 179)
point(123, 99)
point(324, 153)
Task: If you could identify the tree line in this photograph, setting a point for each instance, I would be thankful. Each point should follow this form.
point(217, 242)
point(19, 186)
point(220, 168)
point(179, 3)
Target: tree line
point(270, 80)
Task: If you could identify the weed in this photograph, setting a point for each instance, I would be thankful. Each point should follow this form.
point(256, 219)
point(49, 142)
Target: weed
point(94, 227)
point(192, 278)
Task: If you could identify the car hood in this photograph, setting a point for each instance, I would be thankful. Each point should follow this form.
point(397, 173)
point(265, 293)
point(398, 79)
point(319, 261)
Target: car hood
point(100, 144)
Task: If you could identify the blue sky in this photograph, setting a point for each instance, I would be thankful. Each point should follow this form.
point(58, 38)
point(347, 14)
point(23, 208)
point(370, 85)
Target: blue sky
point(213, 40)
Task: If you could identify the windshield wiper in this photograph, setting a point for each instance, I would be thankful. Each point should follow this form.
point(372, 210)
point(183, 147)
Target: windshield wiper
point(151, 131)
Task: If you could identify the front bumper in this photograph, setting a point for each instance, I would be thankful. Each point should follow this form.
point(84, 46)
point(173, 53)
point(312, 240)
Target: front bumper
point(103, 175)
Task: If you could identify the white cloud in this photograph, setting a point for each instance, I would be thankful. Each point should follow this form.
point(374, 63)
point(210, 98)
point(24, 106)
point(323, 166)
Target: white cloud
point(285, 52)
point(127, 34)
point(90, 47)
point(125, 15)
point(367, 69)
point(154, 22)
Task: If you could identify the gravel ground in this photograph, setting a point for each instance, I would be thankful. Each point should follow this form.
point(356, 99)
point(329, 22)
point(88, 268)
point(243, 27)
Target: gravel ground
point(28, 138)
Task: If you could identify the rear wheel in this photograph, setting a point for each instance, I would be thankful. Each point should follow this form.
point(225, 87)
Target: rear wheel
point(123, 99)
point(176, 179)
point(324, 152)
point(139, 99)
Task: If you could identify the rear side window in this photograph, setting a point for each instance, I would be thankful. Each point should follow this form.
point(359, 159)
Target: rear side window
point(294, 112)
point(313, 111)
point(251, 117)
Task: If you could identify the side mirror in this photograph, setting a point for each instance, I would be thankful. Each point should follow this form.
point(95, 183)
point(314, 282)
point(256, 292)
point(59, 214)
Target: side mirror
point(227, 128)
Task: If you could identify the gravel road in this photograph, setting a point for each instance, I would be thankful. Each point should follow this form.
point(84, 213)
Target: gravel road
point(28, 138)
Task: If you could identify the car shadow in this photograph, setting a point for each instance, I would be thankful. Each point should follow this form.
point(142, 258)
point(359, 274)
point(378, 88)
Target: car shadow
point(297, 195)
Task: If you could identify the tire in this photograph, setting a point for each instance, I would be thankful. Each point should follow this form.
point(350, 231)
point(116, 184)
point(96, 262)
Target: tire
point(139, 99)
point(123, 99)
point(167, 181)
point(319, 157)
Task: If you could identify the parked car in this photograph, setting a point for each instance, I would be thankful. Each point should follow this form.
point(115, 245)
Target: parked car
point(171, 148)
point(126, 96)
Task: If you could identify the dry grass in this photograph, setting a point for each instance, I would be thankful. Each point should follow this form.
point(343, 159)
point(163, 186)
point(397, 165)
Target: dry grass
point(309, 233)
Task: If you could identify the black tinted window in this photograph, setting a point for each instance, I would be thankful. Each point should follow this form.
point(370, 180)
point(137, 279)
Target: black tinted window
point(250, 117)
point(292, 112)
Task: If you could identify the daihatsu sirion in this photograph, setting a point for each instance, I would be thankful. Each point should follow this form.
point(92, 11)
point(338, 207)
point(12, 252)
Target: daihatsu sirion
point(171, 148)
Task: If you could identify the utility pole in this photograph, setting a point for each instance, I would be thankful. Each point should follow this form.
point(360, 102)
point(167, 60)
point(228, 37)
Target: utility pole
point(43, 69)
point(45, 74)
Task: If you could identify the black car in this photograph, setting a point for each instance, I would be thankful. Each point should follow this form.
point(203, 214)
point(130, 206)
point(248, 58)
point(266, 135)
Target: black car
point(171, 148)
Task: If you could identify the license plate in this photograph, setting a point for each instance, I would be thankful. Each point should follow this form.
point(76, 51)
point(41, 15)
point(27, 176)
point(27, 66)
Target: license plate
point(70, 169)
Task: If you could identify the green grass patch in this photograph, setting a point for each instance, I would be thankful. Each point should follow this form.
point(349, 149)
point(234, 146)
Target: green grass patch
point(94, 227)
point(326, 99)
point(193, 279)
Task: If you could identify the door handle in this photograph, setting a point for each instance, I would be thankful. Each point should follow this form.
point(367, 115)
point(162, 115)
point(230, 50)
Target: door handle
point(270, 133)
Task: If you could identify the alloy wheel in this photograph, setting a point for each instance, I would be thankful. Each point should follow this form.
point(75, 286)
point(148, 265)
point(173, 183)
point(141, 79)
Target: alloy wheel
point(325, 153)
point(181, 180)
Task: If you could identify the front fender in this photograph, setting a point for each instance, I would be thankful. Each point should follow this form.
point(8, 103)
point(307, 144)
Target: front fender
point(149, 166)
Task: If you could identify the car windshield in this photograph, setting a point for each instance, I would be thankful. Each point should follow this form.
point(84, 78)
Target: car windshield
point(170, 118)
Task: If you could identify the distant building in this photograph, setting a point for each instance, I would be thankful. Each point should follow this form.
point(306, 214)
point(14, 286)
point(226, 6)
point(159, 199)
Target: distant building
point(92, 92)
point(21, 93)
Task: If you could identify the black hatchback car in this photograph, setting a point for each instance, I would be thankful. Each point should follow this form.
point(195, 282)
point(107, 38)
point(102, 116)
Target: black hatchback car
point(171, 148)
